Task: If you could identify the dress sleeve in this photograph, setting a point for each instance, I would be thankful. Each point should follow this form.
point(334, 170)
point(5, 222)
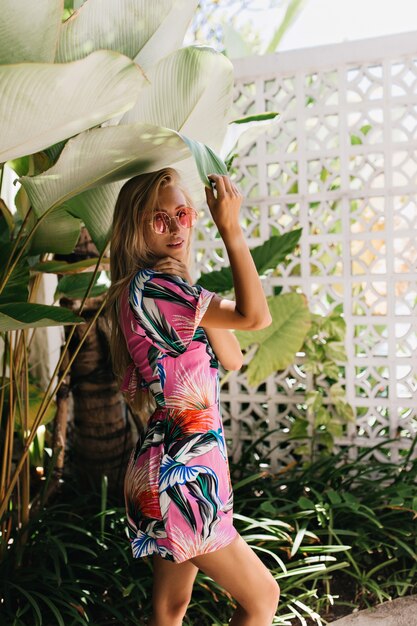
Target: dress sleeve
point(167, 308)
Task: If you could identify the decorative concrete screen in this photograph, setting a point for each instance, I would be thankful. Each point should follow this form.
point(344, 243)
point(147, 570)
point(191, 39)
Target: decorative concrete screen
point(342, 164)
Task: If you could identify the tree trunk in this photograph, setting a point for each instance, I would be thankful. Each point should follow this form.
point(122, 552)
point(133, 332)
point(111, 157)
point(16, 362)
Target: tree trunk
point(101, 439)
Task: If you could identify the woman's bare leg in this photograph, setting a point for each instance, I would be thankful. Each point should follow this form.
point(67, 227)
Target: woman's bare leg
point(171, 592)
point(240, 571)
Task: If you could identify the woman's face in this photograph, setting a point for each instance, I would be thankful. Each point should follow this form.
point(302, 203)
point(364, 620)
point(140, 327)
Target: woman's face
point(171, 199)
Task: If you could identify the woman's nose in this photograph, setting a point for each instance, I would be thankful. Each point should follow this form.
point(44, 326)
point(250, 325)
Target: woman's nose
point(173, 225)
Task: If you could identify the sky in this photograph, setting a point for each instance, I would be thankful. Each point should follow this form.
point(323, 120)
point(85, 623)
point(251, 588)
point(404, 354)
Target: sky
point(331, 21)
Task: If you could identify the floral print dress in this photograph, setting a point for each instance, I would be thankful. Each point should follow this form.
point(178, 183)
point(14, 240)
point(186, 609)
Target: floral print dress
point(178, 492)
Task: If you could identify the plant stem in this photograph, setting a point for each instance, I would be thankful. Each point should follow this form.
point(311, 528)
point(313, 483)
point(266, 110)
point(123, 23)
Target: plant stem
point(36, 423)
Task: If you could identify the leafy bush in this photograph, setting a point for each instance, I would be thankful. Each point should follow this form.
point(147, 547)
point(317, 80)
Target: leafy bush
point(336, 534)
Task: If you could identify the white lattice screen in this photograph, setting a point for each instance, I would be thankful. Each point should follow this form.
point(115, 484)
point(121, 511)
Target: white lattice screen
point(342, 165)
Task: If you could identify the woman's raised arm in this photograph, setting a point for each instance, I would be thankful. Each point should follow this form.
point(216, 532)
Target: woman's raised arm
point(250, 310)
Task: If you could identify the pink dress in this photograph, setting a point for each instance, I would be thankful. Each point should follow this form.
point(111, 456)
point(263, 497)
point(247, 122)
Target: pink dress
point(178, 492)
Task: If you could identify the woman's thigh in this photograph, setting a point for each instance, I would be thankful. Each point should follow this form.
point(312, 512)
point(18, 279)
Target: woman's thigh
point(239, 570)
point(172, 582)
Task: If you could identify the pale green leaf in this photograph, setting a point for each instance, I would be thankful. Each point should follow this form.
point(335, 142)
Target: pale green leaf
point(42, 104)
point(190, 91)
point(279, 342)
point(142, 30)
point(29, 30)
point(169, 35)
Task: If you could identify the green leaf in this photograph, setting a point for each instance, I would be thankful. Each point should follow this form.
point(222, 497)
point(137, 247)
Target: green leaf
point(16, 289)
point(75, 286)
point(57, 232)
point(334, 497)
point(256, 117)
point(7, 215)
point(279, 342)
point(266, 256)
point(322, 417)
point(17, 315)
point(305, 503)
point(29, 31)
point(206, 160)
point(271, 253)
point(335, 351)
point(20, 165)
point(355, 140)
point(299, 428)
point(85, 93)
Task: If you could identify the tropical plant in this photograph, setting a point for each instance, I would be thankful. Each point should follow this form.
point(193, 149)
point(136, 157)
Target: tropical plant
point(140, 104)
point(157, 107)
point(326, 410)
point(76, 566)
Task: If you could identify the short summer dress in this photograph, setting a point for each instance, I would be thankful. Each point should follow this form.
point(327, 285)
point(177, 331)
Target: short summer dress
point(178, 492)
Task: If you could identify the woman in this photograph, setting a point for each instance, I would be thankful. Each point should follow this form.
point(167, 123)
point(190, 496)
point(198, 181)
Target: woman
point(168, 337)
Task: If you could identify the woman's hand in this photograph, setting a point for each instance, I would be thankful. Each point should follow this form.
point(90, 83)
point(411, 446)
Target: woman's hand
point(225, 207)
point(169, 265)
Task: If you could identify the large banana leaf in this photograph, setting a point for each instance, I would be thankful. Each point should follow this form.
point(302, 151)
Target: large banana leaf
point(142, 30)
point(279, 342)
point(124, 151)
point(169, 35)
point(95, 208)
point(189, 91)
point(42, 104)
point(29, 30)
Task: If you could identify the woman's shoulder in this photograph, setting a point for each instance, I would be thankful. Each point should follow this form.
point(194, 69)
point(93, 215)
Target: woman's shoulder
point(150, 277)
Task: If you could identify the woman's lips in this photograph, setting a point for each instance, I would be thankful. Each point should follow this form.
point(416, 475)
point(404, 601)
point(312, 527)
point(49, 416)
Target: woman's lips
point(176, 244)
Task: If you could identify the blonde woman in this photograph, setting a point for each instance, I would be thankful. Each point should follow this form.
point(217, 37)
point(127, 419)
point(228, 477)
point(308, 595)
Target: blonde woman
point(168, 337)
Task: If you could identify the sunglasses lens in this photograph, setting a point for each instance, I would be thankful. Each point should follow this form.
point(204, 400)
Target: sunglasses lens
point(159, 223)
point(186, 218)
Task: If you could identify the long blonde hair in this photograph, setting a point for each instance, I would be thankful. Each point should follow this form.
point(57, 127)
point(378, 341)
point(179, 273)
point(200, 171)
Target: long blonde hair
point(129, 253)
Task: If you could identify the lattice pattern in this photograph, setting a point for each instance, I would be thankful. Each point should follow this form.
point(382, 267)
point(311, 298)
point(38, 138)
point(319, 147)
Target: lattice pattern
point(343, 166)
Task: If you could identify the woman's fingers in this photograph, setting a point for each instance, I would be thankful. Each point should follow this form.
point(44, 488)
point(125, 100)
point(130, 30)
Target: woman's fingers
point(224, 185)
point(209, 195)
point(221, 191)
